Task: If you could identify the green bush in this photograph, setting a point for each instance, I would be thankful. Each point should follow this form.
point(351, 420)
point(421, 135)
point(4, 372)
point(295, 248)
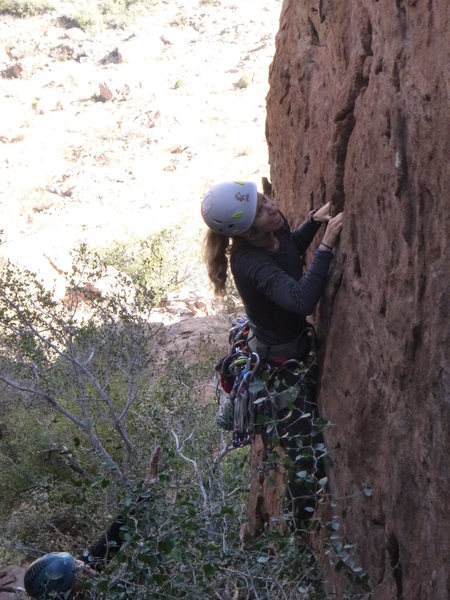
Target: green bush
point(184, 542)
point(152, 264)
point(82, 408)
point(77, 398)
point(26, 8)
point(97, 14)
point(243, 82)
point(87, 15)
point(85, 359)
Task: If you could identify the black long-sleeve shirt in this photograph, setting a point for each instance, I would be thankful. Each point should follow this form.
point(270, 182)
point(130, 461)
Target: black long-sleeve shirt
point(276, 294)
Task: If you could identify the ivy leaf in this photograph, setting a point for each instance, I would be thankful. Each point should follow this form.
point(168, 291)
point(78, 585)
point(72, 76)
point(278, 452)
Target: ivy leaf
point(256, 386)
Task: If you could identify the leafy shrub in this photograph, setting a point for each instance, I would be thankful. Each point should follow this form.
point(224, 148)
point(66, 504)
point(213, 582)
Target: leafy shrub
point(87, 15)
point(96, 14)
point(76, 399)
point(152, 264)
point(85, 359)
point(26, 8)
point(184, 542)
point(243, 82)
point(80, 417)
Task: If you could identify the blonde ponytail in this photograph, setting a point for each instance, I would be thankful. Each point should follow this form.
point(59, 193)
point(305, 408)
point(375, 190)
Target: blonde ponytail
point(215, 250)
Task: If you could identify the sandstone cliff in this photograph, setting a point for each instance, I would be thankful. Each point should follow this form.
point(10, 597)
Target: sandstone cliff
point(358, 113)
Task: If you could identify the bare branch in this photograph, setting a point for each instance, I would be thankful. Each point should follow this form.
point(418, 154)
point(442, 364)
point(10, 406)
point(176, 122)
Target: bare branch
point(95, 440)
point(179, 449)
point(44, 396)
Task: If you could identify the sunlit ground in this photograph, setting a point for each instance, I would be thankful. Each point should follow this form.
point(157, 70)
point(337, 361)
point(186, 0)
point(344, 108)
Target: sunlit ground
point(187, 110)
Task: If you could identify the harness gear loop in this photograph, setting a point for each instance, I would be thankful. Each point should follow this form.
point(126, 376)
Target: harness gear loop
point(258, 389)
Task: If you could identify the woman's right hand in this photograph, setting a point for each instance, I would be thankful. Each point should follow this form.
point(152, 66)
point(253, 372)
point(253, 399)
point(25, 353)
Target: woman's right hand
point(333, 230)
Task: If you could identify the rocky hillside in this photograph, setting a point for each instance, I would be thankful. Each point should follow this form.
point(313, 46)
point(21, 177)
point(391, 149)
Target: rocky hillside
point(113, 133)
point(358, 114)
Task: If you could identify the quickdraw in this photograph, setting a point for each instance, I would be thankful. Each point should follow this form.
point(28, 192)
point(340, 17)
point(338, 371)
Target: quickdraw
point(244, 408)
point(250, 384)
point(238, 370)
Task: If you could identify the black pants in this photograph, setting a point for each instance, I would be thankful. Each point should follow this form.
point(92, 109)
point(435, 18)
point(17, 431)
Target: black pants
point(304, 444)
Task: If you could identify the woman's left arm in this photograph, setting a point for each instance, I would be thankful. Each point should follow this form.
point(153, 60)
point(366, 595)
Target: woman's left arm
point(304, 235)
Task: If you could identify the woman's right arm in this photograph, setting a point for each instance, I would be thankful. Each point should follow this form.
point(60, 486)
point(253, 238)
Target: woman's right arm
point(299, 297)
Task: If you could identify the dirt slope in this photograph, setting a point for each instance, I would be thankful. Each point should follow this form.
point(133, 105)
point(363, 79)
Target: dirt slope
point(188, 83)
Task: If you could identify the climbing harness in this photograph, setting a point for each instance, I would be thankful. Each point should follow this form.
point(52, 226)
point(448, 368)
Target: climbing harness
point(257, 390)
point(276, 399)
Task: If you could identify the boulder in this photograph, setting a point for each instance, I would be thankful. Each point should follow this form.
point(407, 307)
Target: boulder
point(357, 114)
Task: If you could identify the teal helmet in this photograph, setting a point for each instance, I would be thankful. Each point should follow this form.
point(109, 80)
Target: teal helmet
point(50, 575)
point(229, 208)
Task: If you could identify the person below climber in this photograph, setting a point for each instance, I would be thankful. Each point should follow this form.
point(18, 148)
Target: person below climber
point(266, 258)
point(60, 575)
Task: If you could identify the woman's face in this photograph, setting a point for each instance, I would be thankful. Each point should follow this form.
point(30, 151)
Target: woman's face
point(268, 218)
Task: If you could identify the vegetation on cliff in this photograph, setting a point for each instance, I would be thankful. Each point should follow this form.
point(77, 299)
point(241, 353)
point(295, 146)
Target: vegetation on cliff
point(83, 405)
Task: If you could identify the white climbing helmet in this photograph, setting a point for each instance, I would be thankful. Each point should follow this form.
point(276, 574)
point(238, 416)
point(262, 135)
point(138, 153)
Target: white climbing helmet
point(229, 208)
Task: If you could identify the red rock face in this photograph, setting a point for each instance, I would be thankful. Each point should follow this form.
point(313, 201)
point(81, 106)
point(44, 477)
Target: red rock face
point(358, 113)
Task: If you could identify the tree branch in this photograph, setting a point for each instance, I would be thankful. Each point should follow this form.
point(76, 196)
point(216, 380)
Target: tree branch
point(94, 439)
point(179, 450)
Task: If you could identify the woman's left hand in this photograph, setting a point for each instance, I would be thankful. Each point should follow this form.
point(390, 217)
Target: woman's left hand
point(322, 215)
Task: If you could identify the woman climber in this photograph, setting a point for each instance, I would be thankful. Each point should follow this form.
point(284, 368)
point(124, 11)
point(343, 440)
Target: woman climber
point(266, 263)
point(265, 257)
